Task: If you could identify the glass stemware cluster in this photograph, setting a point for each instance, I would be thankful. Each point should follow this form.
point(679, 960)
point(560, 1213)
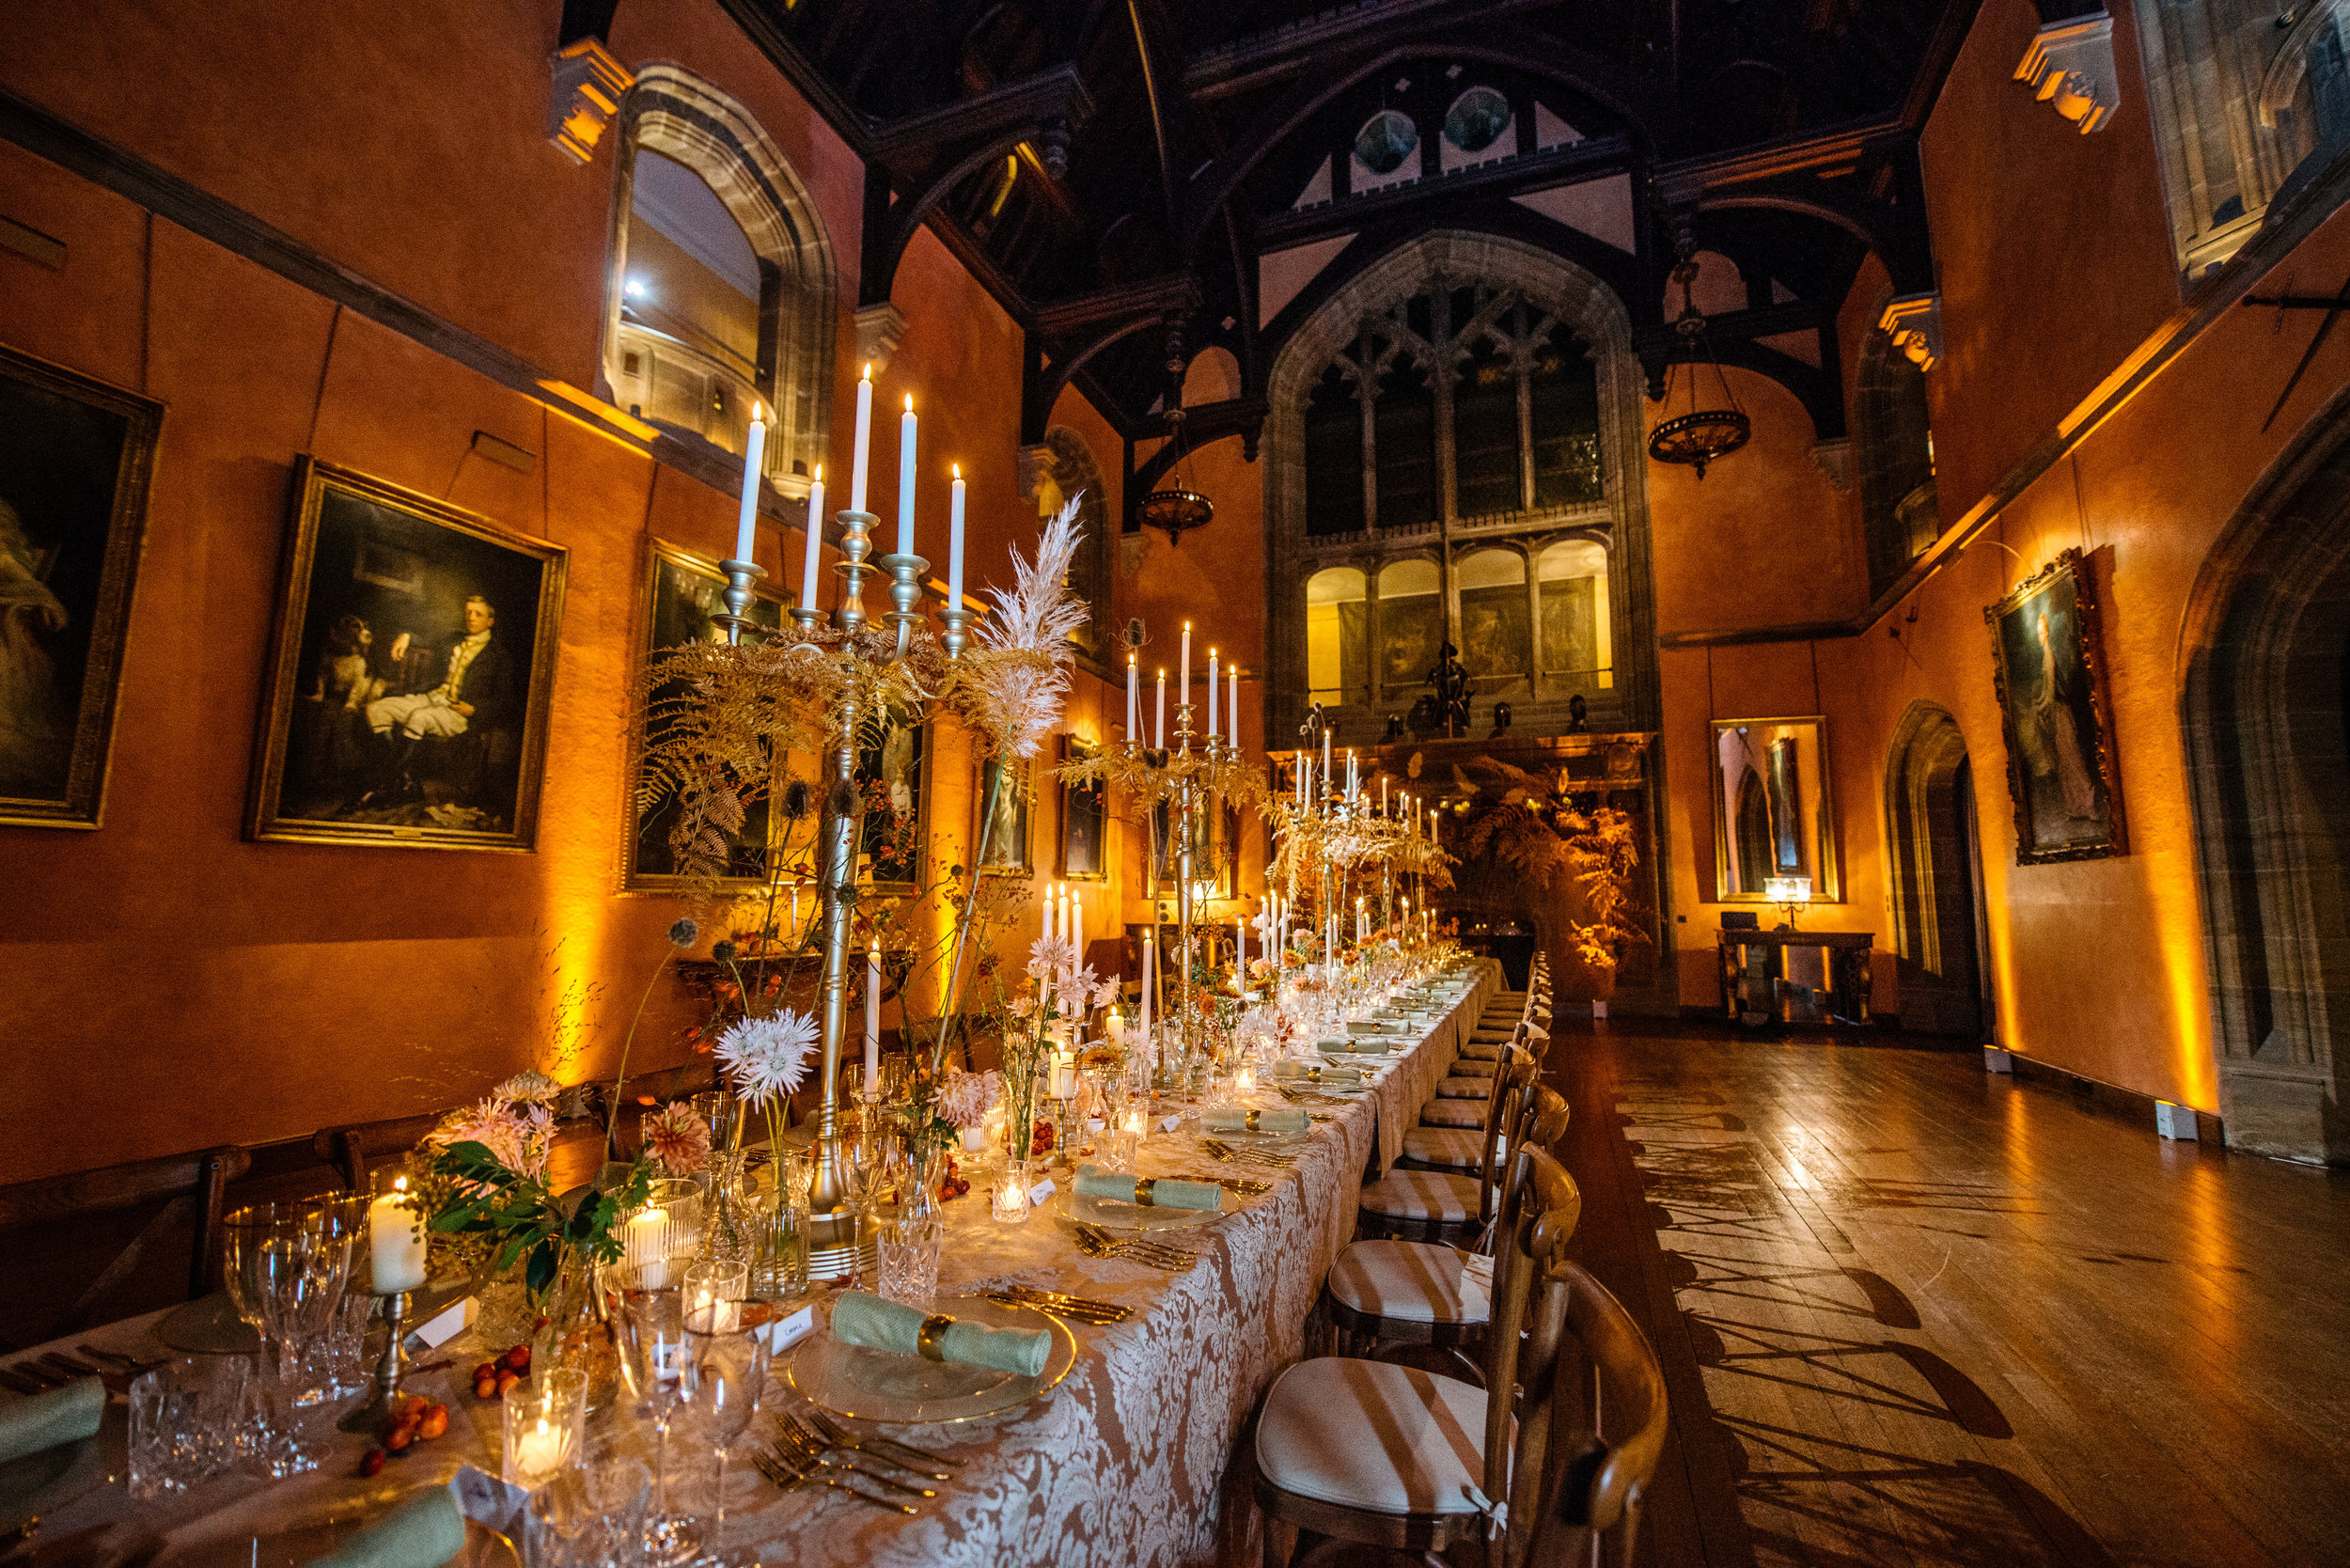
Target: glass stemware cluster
point(286, 1265)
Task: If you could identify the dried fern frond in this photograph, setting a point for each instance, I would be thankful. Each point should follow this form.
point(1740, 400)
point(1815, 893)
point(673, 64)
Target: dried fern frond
point(1013, 683)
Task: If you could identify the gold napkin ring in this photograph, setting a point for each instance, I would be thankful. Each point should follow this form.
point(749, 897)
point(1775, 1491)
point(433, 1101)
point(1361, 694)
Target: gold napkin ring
point(934, 1331)
point(1143, 1185)
point(1252, 1121)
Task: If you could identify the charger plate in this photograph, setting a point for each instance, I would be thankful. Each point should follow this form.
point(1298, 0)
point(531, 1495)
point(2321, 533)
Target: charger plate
point(41, 1483)
point(1134, 1217)
point(908, 1391)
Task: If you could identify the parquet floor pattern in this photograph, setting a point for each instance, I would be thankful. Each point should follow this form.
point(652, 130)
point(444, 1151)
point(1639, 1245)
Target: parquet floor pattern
point(1912, 1312)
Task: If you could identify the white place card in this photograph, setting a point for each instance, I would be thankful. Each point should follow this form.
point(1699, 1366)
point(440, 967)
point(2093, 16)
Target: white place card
point(1168, 1124)
point(784, 1332)
point(1039, 1193)
point(445, 1324)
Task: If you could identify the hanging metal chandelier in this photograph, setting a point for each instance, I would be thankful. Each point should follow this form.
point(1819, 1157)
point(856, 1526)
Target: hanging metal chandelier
point(1177, 509)
point(1703, 435)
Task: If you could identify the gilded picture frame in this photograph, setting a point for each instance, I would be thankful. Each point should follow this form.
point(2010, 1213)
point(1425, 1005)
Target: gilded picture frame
point(1774, 806)
point(410, 674)
point(892, 772)
point(77, 456)
point(1084, 820)
point(677, 596)
point(1008, 850)
point(2048, 673)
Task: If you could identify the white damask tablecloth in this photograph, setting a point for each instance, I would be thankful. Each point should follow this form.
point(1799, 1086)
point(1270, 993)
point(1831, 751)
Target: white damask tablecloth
point(1129, 1461)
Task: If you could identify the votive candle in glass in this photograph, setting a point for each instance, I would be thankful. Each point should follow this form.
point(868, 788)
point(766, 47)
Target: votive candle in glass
point(545, 1424)
point(1009, 1197)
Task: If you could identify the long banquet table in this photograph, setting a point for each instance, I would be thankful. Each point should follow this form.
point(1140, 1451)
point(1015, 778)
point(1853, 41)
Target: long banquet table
point(1128, 1461)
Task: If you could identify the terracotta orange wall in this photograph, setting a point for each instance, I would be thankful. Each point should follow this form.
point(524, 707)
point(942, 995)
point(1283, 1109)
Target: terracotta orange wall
point(202, 989)
point(2055, 265)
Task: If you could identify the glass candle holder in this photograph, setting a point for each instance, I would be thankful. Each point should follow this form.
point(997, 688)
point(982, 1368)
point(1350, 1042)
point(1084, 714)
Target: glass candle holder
point(1008, 1199)
point(714, 1294)
point(546, 1427)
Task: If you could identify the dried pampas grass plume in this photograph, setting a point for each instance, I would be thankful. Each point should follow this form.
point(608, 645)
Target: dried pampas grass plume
point(1012, 685)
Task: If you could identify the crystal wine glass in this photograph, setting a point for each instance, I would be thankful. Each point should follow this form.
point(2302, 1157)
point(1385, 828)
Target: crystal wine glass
point(268, 1253)
point(725, 1379)
point(650, 1327)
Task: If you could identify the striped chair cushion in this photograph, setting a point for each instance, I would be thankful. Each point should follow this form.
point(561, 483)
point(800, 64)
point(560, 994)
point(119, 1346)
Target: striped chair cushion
point(1373, 1436)
point(1436, 1195)
point(1479, 1051)
point(1473, 1067)
point(1408, 1281)
point(1461, 1148)
point(1479, 1089)
point(1453, 1113)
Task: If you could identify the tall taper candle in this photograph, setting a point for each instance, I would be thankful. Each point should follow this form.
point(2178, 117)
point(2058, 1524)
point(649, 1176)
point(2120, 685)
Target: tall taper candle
point(1325, 761)
point(905, 479)
point(1133, 701)
point(1184, 699)
point(815, 551)
point(1215, 729)
point(1159, 740)
point(873, 1022)
point(954, 541)
point(1231, 707)
point(864, 441)
point(1077, 925)
point(746, 528)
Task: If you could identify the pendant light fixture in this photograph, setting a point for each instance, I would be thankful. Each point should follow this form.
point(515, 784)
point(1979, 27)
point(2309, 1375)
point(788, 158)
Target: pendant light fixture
point(1177, 509)
point(1703, 435)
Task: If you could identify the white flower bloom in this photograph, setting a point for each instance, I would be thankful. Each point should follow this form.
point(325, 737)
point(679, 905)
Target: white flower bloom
point(766, 1056)
point(1049, 957)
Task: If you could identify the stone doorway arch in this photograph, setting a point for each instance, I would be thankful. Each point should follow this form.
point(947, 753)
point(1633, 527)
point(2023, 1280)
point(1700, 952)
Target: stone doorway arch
point(2264, 654)
point(1935, 874)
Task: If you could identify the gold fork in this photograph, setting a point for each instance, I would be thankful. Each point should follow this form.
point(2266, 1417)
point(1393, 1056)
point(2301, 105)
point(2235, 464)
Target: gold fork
point(806, 1445)
point(772, 1463)
point(1223, 1151)
point(1098, 1243)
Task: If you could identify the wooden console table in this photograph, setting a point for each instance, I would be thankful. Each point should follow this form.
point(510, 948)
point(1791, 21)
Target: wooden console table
point(1756, 988)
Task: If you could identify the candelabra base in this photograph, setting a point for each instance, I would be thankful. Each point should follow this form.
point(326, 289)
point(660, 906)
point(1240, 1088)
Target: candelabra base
point(389, 1369)
point(840, 1248)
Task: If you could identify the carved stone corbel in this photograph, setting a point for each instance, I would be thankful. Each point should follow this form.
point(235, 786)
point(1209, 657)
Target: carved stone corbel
point(588, 83)
point(1914, 321)
point(2069, 67)
point(880, 328)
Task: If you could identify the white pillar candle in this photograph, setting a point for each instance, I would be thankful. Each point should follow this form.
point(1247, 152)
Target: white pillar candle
point(1077, 928)
point(1325, 760)
point(1231, 708)
point(1150, 978)
point(905, 479)
point(644, 1247)
point(954, 541)
point(872, 1020)
point(396, 1240)
point(1159, 740)
point(539, 1451)
point(815, 551)
point(1185, 701)
point(747, 526)
point(864, 441)
point(1215, 729)
point(1133, 701)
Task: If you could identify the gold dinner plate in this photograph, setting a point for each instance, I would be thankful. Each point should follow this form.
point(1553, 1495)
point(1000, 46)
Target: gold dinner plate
point(909, 1390)
point(1113, 1216)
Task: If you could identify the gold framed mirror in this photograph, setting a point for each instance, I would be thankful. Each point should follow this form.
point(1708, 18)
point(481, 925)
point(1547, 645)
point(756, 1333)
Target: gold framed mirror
point(1774, 814)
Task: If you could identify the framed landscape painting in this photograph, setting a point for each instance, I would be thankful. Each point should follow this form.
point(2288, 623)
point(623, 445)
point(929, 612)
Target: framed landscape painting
point(2050, 683)
point(410, 673)
point(75, 456)
point(679, 594)
point(1084, 819)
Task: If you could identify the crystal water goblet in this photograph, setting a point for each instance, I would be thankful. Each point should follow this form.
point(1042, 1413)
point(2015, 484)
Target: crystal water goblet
point(265, 1248)
point(724, 1382)
point(651, 1328)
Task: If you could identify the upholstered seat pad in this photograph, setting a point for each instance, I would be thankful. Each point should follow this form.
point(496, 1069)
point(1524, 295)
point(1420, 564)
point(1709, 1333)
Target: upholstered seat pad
point(1453, 1113)
point(1408, 1281)
point(1436, 1195)
point(1480, 1051)
point(1373, 1436)
point(1461, 1148)
point(1473, 1067)
point(1466, 1089)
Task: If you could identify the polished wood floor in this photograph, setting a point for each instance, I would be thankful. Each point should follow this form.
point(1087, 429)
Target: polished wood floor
point(1913, 1312)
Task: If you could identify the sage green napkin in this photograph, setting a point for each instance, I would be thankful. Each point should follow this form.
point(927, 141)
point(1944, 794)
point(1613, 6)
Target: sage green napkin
point(423, 1532)
point(1353, 1042)
point(861, 1319)
point(43, 1420)
point(1113, 1187)
point(1319, 1073)
point(1234, 1118)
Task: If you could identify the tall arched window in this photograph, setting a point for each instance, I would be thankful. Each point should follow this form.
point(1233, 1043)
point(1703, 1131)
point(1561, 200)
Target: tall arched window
point(1577, 638)
point(1496, 642)
point(1899, 515)
point(1334, 640)
point(722, 292)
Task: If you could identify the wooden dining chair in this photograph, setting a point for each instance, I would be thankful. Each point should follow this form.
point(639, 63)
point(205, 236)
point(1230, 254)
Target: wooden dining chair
point(1460, 1110)
point(1356, 1453)
point(1469, 1148)
point(353, 1148)
point(1446, 1205)
point(62, 1215)
point(1384, 1295)
point(1593, 1519)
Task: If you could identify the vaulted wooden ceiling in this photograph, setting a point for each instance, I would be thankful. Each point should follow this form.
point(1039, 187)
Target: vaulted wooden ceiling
point(1113, 170)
